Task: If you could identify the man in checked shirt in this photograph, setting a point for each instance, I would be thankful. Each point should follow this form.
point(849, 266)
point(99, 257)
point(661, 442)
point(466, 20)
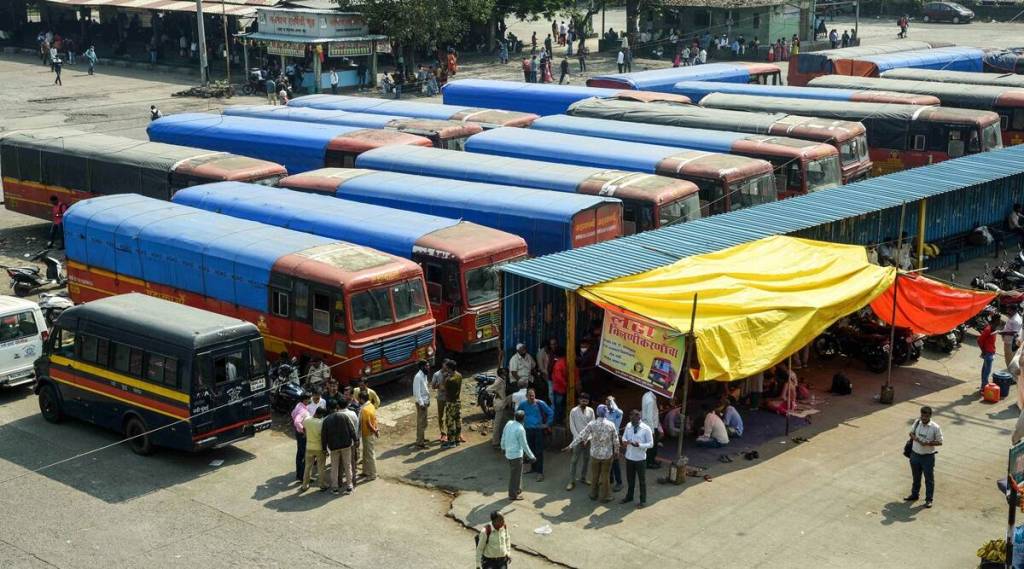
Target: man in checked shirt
point(604, 448)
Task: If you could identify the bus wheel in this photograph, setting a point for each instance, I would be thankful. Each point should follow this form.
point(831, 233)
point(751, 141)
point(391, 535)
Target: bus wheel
point(134, 431)
point(49, 404)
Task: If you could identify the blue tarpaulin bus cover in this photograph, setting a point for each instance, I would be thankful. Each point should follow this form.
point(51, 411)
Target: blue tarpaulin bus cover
point(538, 98)
point(378, 106)
point(478, 168)
point(947, 58)
point(543, 219)
point(697, 90)
point(298, 147)
point(310, 115)
point(190, 249)
point(664, 79)
point(674, 136)
point(393, 231)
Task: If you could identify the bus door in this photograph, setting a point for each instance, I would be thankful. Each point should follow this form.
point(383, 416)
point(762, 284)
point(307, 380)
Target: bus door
point(221, 391)
point(445, 295)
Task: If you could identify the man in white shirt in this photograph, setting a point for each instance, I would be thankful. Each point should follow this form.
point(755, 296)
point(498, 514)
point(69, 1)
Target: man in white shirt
point(715, 434)
point(334, 82)
point(926, 436)
point(579, 417)
point(637, 438)
point(316, 402)
point(501, 390)
point(649, 415)
point(620, 60)
point(521, 365)
point(1011, 335)
point(421, 396)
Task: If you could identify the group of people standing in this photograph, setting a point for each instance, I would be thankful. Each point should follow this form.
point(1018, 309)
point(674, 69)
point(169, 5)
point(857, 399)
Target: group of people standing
point(55, 51)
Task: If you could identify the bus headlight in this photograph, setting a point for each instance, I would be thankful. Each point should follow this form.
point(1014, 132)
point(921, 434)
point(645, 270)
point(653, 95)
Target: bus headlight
point(367, 370)
point(430, 350)
point(479, 334)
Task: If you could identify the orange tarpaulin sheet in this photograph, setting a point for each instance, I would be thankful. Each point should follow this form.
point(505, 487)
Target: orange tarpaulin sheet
point(929, 307)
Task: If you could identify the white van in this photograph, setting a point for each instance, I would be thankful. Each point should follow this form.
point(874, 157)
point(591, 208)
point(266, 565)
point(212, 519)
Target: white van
point(22, 332)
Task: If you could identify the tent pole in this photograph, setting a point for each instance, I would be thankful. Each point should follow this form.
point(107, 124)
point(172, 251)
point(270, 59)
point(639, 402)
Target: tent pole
point(922, 210)
point(888, 393)
point(789, 368)
point(570, 351)
point(684, 376)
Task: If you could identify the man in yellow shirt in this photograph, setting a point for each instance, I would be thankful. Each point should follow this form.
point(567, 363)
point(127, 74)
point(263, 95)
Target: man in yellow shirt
point(373, 397)
point(369, 433)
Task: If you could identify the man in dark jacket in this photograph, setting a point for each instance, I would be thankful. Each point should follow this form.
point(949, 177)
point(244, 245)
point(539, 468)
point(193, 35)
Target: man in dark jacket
point(338, 434)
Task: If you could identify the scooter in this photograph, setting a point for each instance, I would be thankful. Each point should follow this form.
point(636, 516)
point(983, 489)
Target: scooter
point(484, 398)
point(28, 278)
point(286, 391)
point(53, 304)
point(947, 342)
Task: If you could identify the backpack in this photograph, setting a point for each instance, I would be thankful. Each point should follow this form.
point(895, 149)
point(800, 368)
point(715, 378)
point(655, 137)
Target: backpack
point(487, 530)
point(841, 385)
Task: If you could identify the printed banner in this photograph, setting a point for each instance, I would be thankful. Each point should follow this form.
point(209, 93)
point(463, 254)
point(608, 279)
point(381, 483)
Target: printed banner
point(287, 49)
point(640, 351)
point(340, 49)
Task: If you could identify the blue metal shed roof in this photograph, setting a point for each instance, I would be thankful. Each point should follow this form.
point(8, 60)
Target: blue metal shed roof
point(390, 230)
point(948, 58)
point(298, 149)
point(664, 79)
point(674, 136)
point(652, 249)
point(539, 98)
point(478, 167)
point(570, 149)
point(378, 106)
point(697, 90)
point(310, 115)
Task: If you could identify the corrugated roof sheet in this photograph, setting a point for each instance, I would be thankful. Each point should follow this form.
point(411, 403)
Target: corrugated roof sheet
point(645, 251)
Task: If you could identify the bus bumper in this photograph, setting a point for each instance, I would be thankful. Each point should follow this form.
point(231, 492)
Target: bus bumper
point(18, 377)
point(232, 434)
point(393, 374)
point(480, 346)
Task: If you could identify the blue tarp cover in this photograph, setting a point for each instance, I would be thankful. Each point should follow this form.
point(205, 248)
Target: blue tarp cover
point(538, 98)
point(310, 115)
point(570, 149)
point(477, 167)
point(543, 219)
point(298, 148)
point(378, 106)
point(390, 230)
point(674, 136)
point(190, 249)
point(663, 79)
point(697, 90)
point(947, 58)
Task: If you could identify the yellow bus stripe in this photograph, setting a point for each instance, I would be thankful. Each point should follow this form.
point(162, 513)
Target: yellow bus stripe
point(87, 368)
point(104, 273)
point(125, 401)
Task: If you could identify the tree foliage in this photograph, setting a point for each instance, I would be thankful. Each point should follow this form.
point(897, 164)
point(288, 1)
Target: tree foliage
point(422, 24)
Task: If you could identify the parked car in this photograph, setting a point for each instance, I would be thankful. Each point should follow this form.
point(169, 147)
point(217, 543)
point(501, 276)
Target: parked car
point(946, 12)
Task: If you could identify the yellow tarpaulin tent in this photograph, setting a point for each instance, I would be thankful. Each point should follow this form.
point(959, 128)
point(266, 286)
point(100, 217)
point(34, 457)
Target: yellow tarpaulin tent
point(757, 302)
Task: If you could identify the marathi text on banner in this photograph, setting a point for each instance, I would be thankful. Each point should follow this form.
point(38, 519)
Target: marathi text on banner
point(287, 49)
point(640, 351)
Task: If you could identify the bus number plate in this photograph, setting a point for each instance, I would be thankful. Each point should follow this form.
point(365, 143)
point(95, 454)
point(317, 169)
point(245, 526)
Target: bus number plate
point(258, 384)
point(261, 426)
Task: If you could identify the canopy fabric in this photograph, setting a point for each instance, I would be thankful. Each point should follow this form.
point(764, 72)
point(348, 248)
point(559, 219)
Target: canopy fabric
point(929, 307)
point(757, 302)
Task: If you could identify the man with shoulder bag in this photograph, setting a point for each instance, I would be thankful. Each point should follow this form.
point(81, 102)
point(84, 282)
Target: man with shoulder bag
point(921, 448)
point(493, 545)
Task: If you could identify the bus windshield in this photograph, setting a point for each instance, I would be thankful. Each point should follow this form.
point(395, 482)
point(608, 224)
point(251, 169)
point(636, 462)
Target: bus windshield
point(823, 173)
point(482, 285)
point(854, 150)
point(991, 137)
point(683, 209)
point(409, 299)
point(385, 305)
point(755, 191)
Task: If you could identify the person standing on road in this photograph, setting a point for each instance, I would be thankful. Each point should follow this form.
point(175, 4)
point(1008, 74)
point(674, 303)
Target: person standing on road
point(925, 436)
point(580, 416)
point(437, 384)
point(57, 65)
point(637, 439)
point(337, 435)
point(1010, 333)
point(154, 113)
point(987, 345)
point(421, 396)
point(649, 415)
point(299, 414)
point(563, 71)
point(57, 210)
point(603, 439)
point(581, 56)
point(453, 405)
point(315, 451)
point(271, 86)
point(493, 545)
point(350, 409)
point(334, 82)
point(501, 392)
point(369, 434)
point(371, 395)
point(515, 445)
point(90, 56)
point(620, 60)
point(538, 419)
point(614, 414)
point(319, 374)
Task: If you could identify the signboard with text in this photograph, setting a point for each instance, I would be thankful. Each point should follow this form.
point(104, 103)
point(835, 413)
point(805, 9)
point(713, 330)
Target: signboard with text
point(349, 48)
point(286, 48)
point(311, 24)
point(641, 351)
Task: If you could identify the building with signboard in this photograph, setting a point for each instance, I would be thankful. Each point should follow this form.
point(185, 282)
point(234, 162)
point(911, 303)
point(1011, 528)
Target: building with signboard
point(319, 40)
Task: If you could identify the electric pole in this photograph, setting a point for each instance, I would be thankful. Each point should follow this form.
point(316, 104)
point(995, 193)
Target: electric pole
point(204, 71)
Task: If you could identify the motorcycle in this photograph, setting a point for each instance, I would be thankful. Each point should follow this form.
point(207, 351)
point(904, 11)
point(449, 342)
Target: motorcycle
point(947, 342)
point(484, 398)
point(26, 279)
point(847, 340)
point(285, 392)
point(53, 304)
point(254, 83)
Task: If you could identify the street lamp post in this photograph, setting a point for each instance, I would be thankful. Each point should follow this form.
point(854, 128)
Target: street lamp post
point(204, 71)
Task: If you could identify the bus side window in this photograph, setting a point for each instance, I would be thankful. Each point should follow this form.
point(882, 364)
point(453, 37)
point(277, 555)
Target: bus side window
point(1018, 120)
point(435, 280)
point(340, 322)
point(919, 142)
point(62, 343)
point(162, 369)
point(321, 312)
point(257, 360)
point(228, 367)
point(279, 303)
point(94, 350)
point(301, 300)
point(629, 225)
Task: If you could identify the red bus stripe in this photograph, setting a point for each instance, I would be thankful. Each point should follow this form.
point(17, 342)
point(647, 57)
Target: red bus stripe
point(141, 401)
point(231, 426)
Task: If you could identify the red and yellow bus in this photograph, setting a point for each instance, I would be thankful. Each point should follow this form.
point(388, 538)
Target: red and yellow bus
point(77, 165)
point(358, 308)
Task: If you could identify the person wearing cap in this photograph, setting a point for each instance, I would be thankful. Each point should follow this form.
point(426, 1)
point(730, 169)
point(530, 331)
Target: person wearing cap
point(580, 416)
point(521, 365)
point(513, 442)
point(603, 438)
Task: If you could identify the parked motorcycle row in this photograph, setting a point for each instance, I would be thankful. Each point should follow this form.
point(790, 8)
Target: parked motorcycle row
point(862, 337)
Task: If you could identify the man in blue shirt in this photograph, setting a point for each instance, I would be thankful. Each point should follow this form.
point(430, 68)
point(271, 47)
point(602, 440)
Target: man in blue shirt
point(538, 417)
point(513, 442)
point(615, 416)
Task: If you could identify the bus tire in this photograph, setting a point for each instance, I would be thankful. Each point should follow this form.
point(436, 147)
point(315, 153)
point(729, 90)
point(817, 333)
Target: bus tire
point(134, 431)
point(49, 404)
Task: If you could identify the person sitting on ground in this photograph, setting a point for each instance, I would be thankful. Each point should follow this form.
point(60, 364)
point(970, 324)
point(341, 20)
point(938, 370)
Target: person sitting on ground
point(731, 418)
point(672, 423)
point(715, 434)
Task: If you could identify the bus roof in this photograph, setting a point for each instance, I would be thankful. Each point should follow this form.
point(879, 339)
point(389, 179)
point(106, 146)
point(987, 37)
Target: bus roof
point(393, 231)
point(697, 90)
point(850, 111)
point(814, 61)
point(953, 94)
point(298, 149)
point(539, 98)
point(527, 173)
point(964, 77)
point(663, 79)
point(812, 128)
point(163, 242)
point(413, 109)
point(949, 58)
point(604, 153)
point(423, 127)
point(140, 315)
point(681, 137)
